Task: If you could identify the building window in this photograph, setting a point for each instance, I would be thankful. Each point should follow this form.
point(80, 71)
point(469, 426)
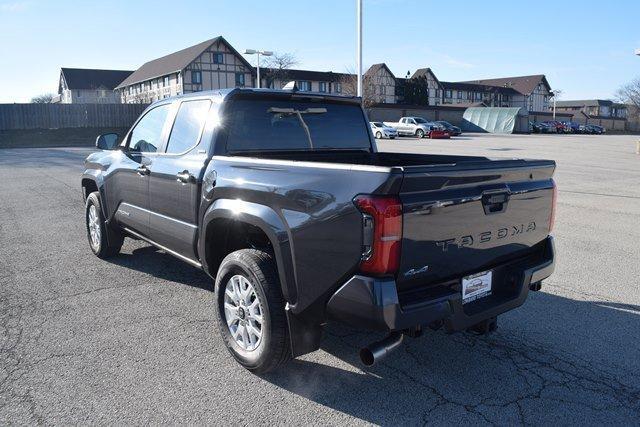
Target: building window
point(448, 94)
point(130, 90)
point(459, 94)
point(218, 58)
point(322, 86)
point(240, 79)
point(478, 96)
point(78, 93)
point(140, 88)
point(196, 77)
point(165, 81)
point(338, 87)
point(304, 85)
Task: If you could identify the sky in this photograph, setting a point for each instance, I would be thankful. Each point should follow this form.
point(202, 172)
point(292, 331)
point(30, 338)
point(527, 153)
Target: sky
point(585, 48)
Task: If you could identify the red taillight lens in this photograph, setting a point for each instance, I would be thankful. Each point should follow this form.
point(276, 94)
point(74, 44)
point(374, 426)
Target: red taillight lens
point(554, 202)
point(382, 233)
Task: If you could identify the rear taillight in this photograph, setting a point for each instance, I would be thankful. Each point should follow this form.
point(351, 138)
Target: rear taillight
point(554, 202)
point(381, 233)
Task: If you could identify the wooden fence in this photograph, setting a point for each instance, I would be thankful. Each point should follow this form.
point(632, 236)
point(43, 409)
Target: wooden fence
point(56, 116)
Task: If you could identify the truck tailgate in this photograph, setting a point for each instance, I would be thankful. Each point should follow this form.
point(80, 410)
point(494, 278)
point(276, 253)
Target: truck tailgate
point(463, 218)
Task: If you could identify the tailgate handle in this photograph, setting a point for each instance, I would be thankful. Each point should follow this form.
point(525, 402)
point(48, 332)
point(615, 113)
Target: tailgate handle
point(495, 201)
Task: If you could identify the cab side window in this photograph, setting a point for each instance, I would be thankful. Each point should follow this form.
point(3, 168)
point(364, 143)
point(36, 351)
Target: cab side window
point(146, 135)
point(188, 126)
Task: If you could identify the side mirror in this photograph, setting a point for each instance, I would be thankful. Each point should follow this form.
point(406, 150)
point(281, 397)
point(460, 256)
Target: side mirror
point(107, 141)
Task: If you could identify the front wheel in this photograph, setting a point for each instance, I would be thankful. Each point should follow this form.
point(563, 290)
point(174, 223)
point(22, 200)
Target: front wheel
point(419, 133)
point(103, 240)
point(250, 310)
point(378, 135)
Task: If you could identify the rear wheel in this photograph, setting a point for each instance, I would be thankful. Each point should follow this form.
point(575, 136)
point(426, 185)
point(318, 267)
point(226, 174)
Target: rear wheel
point(103, 240)
point(250, 310)
point(419, 133)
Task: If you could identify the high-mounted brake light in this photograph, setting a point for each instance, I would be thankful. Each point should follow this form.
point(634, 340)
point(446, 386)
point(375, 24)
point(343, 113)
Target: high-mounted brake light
point(381, 233)
point(554, 202)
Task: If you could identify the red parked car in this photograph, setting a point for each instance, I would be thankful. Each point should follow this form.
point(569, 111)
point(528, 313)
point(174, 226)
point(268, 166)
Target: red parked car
point(560, 127)
point(439, 134)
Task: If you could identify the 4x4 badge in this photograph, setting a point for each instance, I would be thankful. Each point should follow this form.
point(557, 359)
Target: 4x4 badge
point(415, 271)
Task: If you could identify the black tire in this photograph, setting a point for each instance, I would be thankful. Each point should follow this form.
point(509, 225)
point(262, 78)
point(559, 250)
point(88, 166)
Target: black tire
point(419, 133)
point(259, 268)
point(109, 241)
point(378, 135)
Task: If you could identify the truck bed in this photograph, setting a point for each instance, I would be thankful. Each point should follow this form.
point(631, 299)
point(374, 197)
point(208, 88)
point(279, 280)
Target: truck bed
point(461, 214)
point(365, 158)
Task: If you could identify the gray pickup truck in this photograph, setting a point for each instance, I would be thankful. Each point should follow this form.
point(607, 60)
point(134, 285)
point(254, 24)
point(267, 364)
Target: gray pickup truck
point(284, 200)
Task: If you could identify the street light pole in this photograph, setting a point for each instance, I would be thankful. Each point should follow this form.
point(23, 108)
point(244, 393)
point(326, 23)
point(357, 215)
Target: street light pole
point(258, 52)
point(556, 94)
point(359, 42)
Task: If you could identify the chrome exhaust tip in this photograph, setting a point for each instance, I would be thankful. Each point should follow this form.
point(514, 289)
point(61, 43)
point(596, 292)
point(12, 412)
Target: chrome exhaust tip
point(376, 351)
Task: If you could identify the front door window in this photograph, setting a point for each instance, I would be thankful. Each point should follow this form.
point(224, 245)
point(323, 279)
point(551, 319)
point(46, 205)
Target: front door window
point(146, 135)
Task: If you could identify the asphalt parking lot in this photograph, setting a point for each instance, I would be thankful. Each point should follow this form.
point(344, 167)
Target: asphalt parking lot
point(132, 340)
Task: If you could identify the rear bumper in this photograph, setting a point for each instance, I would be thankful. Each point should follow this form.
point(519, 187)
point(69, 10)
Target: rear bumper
point(374, 303)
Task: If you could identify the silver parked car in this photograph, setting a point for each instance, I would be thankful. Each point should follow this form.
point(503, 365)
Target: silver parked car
point(380, 130)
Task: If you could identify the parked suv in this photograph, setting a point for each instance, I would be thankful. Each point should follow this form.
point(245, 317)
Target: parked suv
point(284, 200)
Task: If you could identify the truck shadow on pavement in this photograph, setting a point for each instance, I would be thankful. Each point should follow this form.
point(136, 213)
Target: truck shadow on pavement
point(580, 364)
point(153, 261)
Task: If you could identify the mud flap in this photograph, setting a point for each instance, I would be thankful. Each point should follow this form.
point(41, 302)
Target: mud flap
point(305, 337)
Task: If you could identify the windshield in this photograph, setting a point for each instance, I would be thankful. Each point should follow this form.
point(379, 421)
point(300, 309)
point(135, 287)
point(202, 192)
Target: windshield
point(377, 124)
point(442, 122)
point(420, 120)
point(277, 125)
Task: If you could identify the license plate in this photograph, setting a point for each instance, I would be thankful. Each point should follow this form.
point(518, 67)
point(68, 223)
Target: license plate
point(476, 286)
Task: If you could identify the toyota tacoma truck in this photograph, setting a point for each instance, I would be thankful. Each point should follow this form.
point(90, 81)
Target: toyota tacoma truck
point(283, 198)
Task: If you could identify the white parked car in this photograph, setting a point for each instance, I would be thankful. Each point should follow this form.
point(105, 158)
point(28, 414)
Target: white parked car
point(380, 130)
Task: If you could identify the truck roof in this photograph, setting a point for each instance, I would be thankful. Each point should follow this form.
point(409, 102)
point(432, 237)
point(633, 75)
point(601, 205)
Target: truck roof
point(223, 94)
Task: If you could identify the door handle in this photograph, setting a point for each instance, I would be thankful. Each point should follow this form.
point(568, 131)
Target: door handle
point(143, 170)
point(184, 177)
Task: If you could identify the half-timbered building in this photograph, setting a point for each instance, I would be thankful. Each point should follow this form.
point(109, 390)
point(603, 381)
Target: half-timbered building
point(212, 64)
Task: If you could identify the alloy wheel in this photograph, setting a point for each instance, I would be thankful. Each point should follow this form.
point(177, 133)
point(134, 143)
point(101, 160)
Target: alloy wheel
point(243, 313)
point(95, 233)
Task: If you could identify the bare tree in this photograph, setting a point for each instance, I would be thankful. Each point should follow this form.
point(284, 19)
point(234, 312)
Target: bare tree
point(45, 98)
point(349, 84)
point(630, 93)
point(277, 67)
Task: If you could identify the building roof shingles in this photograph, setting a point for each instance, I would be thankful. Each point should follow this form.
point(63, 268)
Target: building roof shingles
point(523, 84)
point(375, 67)
point(424, 72)
point(584, 103)
point(82, 78)
point(174, 62)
